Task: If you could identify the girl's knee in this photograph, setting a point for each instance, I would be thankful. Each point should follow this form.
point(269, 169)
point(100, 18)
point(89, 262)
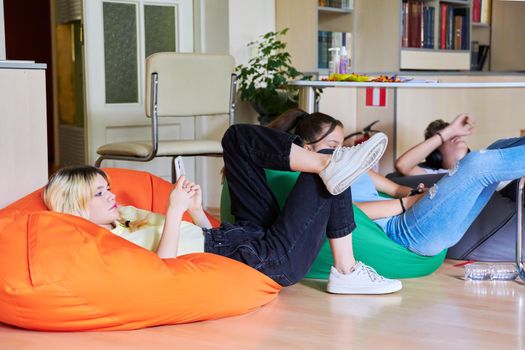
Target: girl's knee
point(428, 249)
point(475, 160)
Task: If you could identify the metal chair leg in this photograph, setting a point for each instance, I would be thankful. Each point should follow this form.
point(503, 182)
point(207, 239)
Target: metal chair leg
point(519, 231)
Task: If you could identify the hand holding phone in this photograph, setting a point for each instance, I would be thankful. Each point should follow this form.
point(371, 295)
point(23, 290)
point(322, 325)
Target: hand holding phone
point(179, 168)
point(419, 189)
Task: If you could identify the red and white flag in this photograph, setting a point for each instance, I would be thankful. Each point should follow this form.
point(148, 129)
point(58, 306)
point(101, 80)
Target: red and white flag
point(375, 97)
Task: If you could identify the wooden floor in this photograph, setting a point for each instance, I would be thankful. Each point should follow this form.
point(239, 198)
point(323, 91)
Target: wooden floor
point(440, 311)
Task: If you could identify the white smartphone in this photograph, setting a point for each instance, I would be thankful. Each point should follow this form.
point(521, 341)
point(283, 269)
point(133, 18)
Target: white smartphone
point(179, 168)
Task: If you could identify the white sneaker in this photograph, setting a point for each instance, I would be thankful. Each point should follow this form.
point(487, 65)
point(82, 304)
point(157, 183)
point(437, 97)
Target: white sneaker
point(348, 163)
point(363, 280)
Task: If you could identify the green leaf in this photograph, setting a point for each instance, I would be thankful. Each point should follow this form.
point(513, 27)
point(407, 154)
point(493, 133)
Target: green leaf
point(267, 73)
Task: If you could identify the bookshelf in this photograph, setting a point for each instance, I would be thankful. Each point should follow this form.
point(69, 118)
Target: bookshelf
point(407, 35)
point(435, 34)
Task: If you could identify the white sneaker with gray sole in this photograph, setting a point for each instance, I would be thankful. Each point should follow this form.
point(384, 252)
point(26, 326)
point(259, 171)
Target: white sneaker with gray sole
point(348, 163)
point(362, 280)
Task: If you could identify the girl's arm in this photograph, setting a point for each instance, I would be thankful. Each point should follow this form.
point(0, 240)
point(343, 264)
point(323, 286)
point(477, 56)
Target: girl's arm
point(383, 209)
point(389, 187)
point(407, 163)
point(179, 201)
point(386, 208)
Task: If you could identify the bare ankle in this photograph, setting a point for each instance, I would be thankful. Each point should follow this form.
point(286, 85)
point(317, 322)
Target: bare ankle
point(324, 161)
point(345, 270)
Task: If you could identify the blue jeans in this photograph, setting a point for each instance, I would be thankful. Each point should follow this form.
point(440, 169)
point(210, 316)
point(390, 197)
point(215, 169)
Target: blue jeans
point(281, 244)
point(441, 217)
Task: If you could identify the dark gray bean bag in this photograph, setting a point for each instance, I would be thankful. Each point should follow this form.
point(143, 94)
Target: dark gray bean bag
point(492, 236)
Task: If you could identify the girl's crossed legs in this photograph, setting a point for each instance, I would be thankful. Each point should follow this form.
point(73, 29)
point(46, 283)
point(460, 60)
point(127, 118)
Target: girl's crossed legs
point(284, 244)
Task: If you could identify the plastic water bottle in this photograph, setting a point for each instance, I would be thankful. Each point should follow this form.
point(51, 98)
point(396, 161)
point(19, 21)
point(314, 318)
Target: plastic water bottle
point(479, 271)
point(344, 61)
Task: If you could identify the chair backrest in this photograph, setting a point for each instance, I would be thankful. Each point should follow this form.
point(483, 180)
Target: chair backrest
point(189, 84)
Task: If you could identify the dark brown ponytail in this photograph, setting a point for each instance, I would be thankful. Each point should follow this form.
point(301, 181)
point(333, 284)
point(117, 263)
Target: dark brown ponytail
point(312, 128)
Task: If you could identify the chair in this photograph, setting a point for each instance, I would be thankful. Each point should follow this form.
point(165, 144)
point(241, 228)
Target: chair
point(180, 85)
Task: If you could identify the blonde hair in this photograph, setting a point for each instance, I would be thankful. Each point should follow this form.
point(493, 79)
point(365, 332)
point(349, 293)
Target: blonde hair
point(70, 189)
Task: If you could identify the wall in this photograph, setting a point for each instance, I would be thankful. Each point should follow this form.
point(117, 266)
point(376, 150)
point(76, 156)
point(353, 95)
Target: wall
point(508, 27)
point(249, 19)
point(226, 26)
point(211, 26)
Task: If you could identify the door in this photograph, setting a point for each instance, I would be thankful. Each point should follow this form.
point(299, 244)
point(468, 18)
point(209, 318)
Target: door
point(118, 36)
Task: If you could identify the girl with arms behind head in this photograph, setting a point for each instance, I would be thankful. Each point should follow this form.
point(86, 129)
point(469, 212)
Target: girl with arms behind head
point(428, 222)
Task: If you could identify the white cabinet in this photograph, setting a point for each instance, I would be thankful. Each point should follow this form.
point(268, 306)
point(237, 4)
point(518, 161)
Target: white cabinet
point(23, 131)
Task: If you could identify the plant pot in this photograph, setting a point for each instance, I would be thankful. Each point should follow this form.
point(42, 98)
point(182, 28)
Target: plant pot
point(271, 104)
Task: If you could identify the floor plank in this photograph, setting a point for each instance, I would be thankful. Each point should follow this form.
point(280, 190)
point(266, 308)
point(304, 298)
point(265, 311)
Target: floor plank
point(440, 311)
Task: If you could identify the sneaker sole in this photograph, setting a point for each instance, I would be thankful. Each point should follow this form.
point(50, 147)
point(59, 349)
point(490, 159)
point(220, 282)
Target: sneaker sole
point(335, 289)
point(377, 149)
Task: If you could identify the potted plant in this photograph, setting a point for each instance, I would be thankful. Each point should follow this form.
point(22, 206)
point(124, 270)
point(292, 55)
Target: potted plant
point(262, 81)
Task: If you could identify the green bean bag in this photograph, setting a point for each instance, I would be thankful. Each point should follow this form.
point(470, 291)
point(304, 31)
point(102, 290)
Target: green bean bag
point(371, 245)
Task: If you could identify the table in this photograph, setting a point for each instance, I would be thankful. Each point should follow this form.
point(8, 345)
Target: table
point(307, 88)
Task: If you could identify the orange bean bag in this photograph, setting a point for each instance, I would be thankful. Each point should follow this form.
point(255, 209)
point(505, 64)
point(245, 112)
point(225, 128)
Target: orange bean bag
point(62, 273)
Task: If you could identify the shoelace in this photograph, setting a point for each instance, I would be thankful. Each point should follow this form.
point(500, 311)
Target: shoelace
point(339, 151)
point(372, 274)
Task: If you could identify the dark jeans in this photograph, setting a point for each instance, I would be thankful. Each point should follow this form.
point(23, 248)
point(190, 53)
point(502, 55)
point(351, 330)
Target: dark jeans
point(281, 244)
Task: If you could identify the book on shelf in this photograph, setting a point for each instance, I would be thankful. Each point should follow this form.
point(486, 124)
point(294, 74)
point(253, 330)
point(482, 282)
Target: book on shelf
point(458, 25)
point(415, 25)
point(476, 11)
point(479, 56)
point(483, 54)
point(428, 24)
point(464, 13)
point(404, 24)
point(485, 11)
point(450, 28)
point(443, 26)
point(324, 38)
